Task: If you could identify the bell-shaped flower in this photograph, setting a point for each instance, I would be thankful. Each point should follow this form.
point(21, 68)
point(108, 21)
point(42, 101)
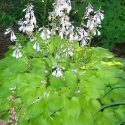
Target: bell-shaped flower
point(58, 71)
point(17, 54)
point(89, 9)
point(36, 46)
point(12, 37)
point(45, 34)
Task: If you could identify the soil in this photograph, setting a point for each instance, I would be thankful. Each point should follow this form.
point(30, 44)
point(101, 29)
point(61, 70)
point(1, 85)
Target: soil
point(5, 42)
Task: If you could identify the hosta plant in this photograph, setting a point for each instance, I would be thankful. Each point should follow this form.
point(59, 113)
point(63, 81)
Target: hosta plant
point(52, 77)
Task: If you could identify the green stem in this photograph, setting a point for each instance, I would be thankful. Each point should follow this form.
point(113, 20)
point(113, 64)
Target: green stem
point(44, 15)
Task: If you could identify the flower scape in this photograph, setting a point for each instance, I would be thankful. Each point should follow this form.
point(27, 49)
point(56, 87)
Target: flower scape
point(51, 75)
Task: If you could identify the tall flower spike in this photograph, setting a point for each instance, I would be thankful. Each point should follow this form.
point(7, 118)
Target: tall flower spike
point(30, 23)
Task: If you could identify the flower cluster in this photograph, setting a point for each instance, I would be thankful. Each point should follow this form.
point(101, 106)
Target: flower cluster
point(30, 23)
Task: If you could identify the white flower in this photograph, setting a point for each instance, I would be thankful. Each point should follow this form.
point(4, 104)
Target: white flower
point(83, 43)
point(58, 71)
point(12, 37)
point(17, 54)
point(89, 9)
point(7, 31)
point(36, 46)
point(45, 34)
point(90, 24)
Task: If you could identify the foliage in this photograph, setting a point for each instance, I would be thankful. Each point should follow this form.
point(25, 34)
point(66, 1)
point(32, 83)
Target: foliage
point(91, 90)
point(54, 81)
point(112, 30)
point(113, 24)
point(11, 11)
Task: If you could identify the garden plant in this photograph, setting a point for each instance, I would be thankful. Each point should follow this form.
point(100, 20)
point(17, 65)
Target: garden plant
point(51, 75)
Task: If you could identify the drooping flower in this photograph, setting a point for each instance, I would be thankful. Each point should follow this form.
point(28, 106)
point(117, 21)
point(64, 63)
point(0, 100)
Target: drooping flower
point(45, 34)
point(16, 53)
point(12, 37)
point(58, 71)
point(36, 46)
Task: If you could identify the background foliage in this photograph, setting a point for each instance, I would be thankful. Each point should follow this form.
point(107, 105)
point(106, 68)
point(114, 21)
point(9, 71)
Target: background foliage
point(113, 25)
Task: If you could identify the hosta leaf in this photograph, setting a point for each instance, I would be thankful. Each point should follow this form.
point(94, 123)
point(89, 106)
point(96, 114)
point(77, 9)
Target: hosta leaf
point(56, 82)
point(4, 92)
point(39, 120)
point(36, 108)
point(86, 117)
point(5, 104)
point(94, 106)
point(56, 103)
point(57, 119)
point(8, 73)
point(18, 67)
point(71, 80)
point(2, 65)
point(72, 109)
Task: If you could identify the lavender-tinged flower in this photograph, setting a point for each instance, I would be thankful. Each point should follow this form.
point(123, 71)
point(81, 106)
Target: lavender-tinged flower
point(36, 46)
point(58, 71)
point(30, 23)
point(61, 5)
point(45, 34)
point(91, 24)
point(16, 53)
point(89, 9)
point(99, 16)
point(13, 37)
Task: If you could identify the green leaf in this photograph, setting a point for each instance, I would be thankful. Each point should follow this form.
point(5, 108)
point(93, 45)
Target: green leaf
point(56, 82)
point(86, 117)
point(39, 120)
point(110, 105)
point(18, 67)
point(71, 80)
point(56, 103)
point(72, 109)
point(36, 108)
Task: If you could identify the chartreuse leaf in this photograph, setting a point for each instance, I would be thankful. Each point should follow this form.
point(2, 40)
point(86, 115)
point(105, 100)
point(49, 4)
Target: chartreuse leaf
point(56, 82)
point(18, 67)
point(101, 52)
point(106, 117)
point(85, 117)
point(5, 104)
point(38, 66)
point(108, 76)
point(71, 80)
point(72, 109)
point(56, 102)
point(36, 108)
point(57, 119)
point(8, 73)
point(4, 92)
point(2, 64)
point(39, 120)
